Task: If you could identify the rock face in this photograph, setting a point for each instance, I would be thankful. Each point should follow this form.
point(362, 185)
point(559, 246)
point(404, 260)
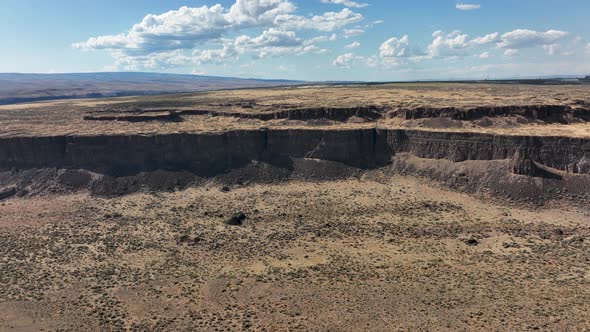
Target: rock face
point(202, 154)
point(7, 193)
point(330, 113)
point(563, 153)
point(522, 164)
point(134, 117)
point(210, 154)
point(549, 113)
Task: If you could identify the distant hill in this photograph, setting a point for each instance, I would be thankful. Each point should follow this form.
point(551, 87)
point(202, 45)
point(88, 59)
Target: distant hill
point(16, 88)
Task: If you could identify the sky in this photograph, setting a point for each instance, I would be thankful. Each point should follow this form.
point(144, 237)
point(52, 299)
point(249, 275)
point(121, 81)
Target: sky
point(316, 40)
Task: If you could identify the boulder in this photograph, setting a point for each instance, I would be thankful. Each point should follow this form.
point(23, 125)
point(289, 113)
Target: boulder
point(236, 220)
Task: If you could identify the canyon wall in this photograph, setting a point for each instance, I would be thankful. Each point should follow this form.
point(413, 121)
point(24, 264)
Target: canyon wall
point(548, 113)
point(209, 154)
point(330, 113)
point(563, 153)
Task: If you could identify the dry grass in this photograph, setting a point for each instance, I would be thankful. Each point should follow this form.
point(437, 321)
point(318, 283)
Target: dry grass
point(65, 117)
point(345, 255)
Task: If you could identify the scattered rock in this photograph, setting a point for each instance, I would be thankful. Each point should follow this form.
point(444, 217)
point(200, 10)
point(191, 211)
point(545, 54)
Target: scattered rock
point(508, 245)
point(236, 220)
point(185, 239)
point(247, 104)
point(471, 242)
point(182, 239)
point(225, 189)
point(74, 179)
point(22, 193)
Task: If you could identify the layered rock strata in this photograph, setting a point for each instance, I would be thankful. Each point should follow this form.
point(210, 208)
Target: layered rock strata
point(215, 153)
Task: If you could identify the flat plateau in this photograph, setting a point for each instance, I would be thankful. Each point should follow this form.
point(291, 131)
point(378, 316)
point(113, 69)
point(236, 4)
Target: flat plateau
point(68, 117)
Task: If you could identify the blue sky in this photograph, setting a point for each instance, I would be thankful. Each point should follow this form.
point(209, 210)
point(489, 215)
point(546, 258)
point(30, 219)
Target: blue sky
point(373, 40)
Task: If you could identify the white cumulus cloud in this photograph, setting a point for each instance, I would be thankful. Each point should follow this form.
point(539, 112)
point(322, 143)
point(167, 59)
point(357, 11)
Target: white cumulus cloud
point(253, 13)
point(188, 27)
point(523, 38)
point(395, 51)
point(511, 52)
point(452, 44)
point(467, 6)
point(215, 34)
point(347, 3)
point(487, 39)
point(353, 45)
point(193, 35)
point(344, 60)
point(349, 33)
point(269, 38)
point(214, 55)
point(275, 42)
point(395, 48)
point(329, 21)
point(457, 43)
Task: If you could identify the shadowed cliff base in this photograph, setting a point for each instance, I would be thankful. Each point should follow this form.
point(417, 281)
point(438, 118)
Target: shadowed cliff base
point(494, 179)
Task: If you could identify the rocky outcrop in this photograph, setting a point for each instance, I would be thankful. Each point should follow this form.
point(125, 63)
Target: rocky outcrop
point(548, 113)
point(215, 153)
point(563, 153)
point(134, 117)
point(337, 114)
point(7, 193)
point(522, 164)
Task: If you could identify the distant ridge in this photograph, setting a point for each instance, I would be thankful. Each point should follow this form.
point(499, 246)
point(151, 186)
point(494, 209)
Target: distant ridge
point(19, 88)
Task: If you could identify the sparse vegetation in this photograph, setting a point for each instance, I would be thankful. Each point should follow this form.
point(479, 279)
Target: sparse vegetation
point(415, 206)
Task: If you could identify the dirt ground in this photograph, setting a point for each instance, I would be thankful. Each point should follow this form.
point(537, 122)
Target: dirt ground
point(370, 254)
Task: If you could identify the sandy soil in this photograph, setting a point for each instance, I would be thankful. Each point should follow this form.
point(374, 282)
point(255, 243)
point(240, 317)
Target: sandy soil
point(375, 253)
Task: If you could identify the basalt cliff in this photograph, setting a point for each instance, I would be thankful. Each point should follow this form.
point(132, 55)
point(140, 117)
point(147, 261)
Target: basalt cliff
point(210, 154)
